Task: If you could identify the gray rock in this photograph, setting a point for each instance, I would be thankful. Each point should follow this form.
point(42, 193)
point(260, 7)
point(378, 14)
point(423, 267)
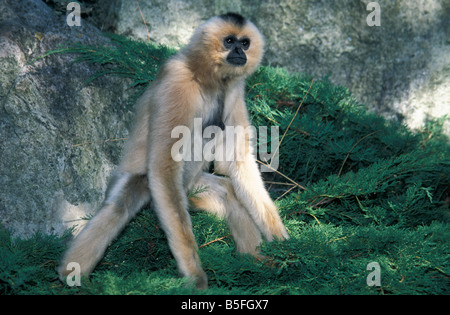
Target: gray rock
point(47, 180)
point(400, 68)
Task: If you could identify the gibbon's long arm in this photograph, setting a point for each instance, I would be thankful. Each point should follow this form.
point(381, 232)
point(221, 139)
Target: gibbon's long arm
point(245, 175)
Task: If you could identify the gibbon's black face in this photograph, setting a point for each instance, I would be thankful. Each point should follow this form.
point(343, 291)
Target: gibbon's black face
point(236, 47)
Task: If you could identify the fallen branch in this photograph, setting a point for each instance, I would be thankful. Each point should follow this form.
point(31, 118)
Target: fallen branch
point(216, 240)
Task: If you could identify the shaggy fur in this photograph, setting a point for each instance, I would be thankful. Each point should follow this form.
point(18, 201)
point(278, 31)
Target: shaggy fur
point(198, 82)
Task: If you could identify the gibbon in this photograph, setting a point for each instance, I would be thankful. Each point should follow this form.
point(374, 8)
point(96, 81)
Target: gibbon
point(203, 80)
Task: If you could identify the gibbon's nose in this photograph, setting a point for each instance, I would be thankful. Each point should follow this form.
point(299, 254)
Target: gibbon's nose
point(237, 57)
point(239, 51)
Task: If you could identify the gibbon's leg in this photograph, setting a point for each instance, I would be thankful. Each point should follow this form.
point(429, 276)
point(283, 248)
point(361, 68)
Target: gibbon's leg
point(171, 205)
point(219, 198)
point(125, 196)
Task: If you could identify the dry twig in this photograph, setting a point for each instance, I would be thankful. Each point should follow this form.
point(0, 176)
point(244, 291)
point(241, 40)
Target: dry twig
point(216, 240)
point(143, 19)
point(292, 120)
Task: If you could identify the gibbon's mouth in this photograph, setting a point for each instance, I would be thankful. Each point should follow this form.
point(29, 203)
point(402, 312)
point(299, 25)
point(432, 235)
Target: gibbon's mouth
point(237, 61)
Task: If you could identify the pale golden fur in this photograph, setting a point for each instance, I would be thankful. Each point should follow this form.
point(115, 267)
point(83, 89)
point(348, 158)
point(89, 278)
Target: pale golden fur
point(188, 86)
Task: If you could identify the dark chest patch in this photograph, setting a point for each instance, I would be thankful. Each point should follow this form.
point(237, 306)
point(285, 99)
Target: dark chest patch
point(216, 117)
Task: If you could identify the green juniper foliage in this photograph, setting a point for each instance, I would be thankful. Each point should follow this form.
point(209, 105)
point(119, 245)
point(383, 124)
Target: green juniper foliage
point(369, 190)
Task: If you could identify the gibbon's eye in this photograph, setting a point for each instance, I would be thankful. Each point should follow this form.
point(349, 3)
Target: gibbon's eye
point(229, 41)
point(245, 43)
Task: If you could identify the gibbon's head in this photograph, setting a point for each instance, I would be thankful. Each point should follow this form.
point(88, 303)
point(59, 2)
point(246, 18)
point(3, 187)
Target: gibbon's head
point(225, 47)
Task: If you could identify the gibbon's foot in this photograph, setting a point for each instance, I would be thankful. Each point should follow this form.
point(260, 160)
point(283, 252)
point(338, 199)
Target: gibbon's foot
point(200, 281)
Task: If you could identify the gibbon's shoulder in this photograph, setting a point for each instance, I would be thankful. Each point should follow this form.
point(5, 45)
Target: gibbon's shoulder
point(175, 69)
